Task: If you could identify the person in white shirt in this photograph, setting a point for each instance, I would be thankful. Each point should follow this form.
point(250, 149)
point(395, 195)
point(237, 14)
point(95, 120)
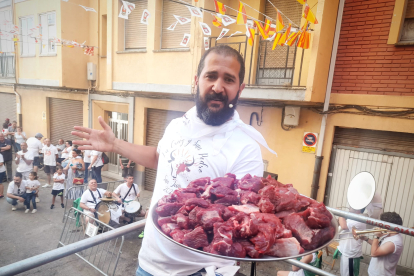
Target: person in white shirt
point(32, 188)
point(34, 145)
point(351, 249)
point(386, 252)
point(96, 165)
point(50, 155)
point(24, 160)
point(2, 175)
point(60, 147)
point(125, 193)
point(87, 158)
point(66, 154)
point(91, 197)
point(311, 259)
point(16, 192)
point(210, 140)
point(58, 186)
point(19, 138)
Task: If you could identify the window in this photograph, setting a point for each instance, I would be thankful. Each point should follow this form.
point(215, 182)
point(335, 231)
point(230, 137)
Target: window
point(48, 32)
point(172, 39)
point(6, 41)
point(135, 31)
point(407, 32)
point(28, 45)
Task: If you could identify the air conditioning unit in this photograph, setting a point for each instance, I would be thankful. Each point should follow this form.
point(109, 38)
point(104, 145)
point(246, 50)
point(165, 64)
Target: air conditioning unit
point(91, 70)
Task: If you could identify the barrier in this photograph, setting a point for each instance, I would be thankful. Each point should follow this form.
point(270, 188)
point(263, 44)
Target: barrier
point(103, 257)
point(109, 186)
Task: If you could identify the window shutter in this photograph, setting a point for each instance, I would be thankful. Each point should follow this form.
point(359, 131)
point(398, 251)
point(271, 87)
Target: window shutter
point(135, 31)
point(172, 39)
point(45, 37)
point(31, 40)
point(24, 39)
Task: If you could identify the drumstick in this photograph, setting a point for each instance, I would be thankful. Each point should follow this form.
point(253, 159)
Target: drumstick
point(99, 214)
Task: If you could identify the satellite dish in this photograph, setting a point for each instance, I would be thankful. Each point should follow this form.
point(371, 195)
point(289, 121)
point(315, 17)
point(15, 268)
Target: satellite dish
point(361, 190)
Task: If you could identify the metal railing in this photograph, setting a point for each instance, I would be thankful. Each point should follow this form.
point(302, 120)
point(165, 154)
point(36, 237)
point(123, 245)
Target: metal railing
point(266, 67)
point(109, 186)
point(99, 257)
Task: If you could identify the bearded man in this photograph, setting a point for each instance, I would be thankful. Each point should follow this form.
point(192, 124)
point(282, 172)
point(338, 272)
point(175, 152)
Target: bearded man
point(215, 142)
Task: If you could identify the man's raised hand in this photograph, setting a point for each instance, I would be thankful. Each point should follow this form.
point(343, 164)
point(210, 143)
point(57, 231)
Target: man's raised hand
point(100, 140)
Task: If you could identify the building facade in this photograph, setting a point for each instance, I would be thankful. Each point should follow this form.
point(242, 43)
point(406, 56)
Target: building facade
point(361, 55)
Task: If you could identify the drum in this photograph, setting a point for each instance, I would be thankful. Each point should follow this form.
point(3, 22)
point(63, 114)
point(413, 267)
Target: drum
point(132, 208)
point(104, 214)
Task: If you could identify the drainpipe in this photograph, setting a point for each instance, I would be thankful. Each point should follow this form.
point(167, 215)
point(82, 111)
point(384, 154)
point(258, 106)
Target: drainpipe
point(16, 71)
point(319, 157)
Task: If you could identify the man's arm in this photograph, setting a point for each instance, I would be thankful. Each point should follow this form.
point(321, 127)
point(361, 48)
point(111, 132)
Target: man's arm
point(307, 259)
point(383, 250)
point(6, 148)
point(84, 207)
point(105, 141)
point(9, 195)
point(342, 223)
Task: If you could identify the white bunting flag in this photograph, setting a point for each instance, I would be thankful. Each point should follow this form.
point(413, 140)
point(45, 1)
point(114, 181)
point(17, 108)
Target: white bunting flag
point(206, 28)
point(172, 27)
point(271, 38)
point(206, 43)
point(195, 11)
point(182, 20)
point(145, 16)
point(235, 33)
point(123, 13)
point(223, 33)
point(186, 40)
point(129, 6)
point(227, 20)
point(88, 9)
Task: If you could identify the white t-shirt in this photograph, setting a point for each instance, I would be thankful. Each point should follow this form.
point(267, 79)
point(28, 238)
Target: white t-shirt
point(98, 161)
point(2, 167)
point(58, 185)
point(238, 153)
point(19, 138)
point(32, 184)
point(66, 155)
point(387, 265)
point(87, 156)
point(88, 199)
point(49, 155)
point(16, 190)
point(60, 149)
point(123, 189)
point(351, 248)
point(34, 145)
point(23, 167)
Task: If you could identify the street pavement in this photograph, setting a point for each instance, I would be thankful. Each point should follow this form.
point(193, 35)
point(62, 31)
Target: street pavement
point(26, 235)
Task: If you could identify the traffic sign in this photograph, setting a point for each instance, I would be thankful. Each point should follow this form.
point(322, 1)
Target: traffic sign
point(310, 140)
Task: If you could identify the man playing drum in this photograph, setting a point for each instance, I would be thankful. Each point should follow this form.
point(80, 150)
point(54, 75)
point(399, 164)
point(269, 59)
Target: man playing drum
point(210, 140)
point(126, 193)
point(91, 197)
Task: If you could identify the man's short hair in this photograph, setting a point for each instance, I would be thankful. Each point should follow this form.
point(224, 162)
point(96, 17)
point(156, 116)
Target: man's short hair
point(224, 50)
point(392, 217)
point(69, 142)
point(59, 168)
point(39, 135)
point(129, 175)
point(19, 175)
point(92, 179)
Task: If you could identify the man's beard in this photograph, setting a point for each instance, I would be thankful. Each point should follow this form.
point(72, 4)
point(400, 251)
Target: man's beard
point(214, 118)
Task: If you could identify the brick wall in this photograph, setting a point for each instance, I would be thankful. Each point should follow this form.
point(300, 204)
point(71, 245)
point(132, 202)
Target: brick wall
point(366, 64)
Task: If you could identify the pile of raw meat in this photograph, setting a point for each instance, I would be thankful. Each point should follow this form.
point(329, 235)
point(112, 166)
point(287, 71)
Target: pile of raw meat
point(253, 216)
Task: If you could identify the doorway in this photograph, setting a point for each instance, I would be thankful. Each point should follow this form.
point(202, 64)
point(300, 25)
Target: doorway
point(119, 125)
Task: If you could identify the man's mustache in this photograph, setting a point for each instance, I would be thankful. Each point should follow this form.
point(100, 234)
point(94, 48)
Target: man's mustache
point(215, 97)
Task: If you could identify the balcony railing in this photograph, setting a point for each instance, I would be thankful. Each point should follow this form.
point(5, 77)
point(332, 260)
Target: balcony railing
point(264, 66)
point(7, 69)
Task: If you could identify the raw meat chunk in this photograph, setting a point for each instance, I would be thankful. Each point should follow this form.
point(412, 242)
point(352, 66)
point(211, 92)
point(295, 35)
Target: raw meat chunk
point(207, 218)
point(207, 193)
point(223, 181)
point(192, 216)
point(182, 211)
point(284, 214)
point(227, 200)
point(246, 208)
point(265, 205)
point(168, 209)
point(270, 219)
point(221, 191)
point(227, 214)
point(284, 248)
point(271, 181)
point(168, 227)
point(285, 200)
point(181, 220)
point(250, 249)
point(196, 238)
point(265, 239)
point(191, 203)
point(164, 200)
point(320, 237)
point(164, 220)
point(269, 192)
point(253, 184)
point(249, 197)
point(237, 250)
point(246, 177)
point(245, 227)
point(178, 234)
point(287, 233)
point(181, 197)
point(199, 183)
point(321, 208)
point(302, 202)
point(317, 220)
point(223, 237)
point(230, 175)
point(210, 249)
point(300, 230)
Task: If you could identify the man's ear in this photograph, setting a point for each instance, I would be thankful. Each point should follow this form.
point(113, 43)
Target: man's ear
point(242, 86)
point(194, 88)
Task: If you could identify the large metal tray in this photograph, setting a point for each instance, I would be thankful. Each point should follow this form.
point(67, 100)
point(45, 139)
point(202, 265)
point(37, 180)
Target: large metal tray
point(154, 220)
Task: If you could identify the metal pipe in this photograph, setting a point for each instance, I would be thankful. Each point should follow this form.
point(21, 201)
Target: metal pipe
point(310, 268)
point(61, 252)
point(318, 162)
point(371, 221)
